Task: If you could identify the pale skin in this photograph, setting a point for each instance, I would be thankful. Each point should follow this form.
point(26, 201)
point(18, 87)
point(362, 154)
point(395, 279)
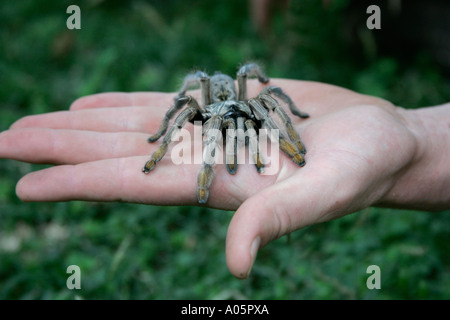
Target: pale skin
point(361, 151)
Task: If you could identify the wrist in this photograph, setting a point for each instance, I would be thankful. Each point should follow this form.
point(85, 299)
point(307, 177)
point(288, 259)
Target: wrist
point(424, 183)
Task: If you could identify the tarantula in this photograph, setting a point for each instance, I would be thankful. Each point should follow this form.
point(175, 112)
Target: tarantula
point(223, 109)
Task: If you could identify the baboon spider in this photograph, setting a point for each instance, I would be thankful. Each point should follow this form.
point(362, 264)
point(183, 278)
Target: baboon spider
point(223, 109)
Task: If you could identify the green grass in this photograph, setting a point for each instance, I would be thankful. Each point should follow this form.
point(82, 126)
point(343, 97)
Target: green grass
point(130, 251)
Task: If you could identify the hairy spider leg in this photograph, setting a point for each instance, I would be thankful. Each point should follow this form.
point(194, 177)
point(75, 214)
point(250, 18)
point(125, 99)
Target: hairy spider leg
point(192, 80)
point(213, 136)
point(204, 180)
point(240, 132)
point(261, 113)
point(230, 145)
point(273, 105)
point(249, 70)
point(206, 175)
point(185, 116)
point(278, 93)
point(253, 145)
point(180, 102)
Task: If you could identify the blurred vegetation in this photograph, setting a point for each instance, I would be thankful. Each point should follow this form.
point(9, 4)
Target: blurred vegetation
point(129, 251)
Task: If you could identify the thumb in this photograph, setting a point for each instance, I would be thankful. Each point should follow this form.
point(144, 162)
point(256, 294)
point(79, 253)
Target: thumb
point(262, 218)
point(287, 206)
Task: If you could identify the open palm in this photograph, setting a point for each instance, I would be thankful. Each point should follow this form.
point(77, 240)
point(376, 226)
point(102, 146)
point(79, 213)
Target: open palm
point(355, 144)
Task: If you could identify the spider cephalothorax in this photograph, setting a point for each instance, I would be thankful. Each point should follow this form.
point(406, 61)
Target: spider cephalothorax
point(224, 109)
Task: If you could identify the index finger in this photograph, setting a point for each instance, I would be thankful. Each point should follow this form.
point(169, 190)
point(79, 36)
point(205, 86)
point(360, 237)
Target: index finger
point(123, 99)
point(106, 112)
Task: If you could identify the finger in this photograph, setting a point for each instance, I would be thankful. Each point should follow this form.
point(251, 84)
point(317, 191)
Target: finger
point(121, 99)
point(119, 179)
point(42, 145)
point(129, 119)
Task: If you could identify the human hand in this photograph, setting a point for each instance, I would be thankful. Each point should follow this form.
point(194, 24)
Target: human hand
point(359, 147)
